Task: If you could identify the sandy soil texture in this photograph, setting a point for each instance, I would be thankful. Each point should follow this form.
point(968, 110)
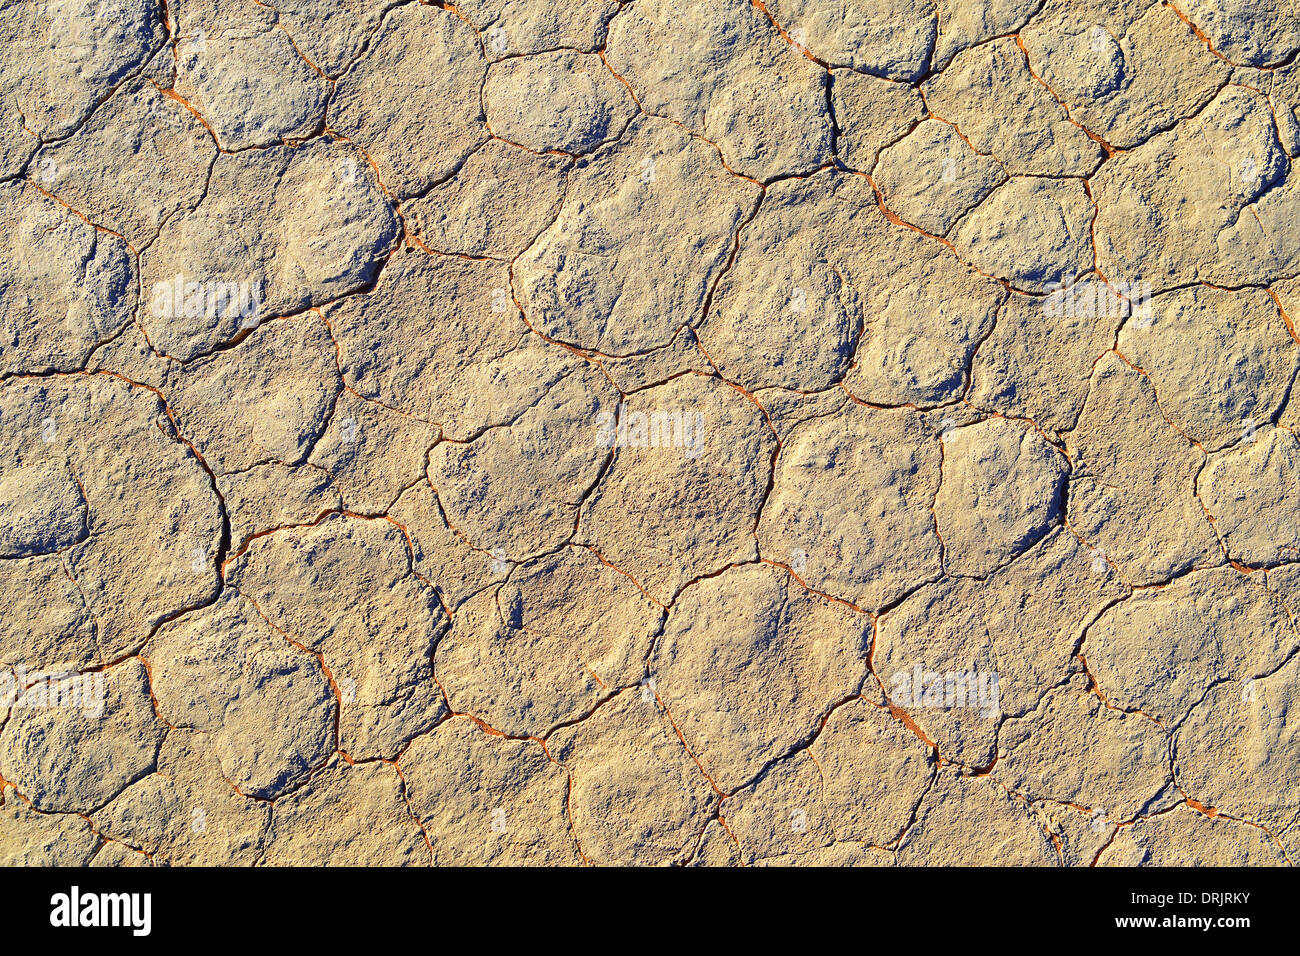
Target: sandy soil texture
point(850, 432)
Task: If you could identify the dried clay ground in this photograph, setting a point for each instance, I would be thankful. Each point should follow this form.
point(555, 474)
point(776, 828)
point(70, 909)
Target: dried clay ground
point(716, 433)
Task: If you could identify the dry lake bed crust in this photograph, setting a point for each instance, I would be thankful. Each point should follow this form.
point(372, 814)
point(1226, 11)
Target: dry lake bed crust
point(852, 432)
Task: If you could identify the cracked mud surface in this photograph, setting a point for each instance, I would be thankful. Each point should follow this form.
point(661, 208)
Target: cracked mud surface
point(727, 433)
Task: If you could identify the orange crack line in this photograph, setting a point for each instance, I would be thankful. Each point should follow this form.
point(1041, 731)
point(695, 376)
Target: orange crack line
point(1110, 150)
point(594, 358)
point(171, 417)
point(266, 532)
point(94, 829)
point(689, 132)
point(895, 711)
point(1096, 552)
point(885, 408)
point(722, 822)
point(1026, 803)
point(943, 546)
point(1290, 325)
point(94, 225)
point(305, 58)
point(739, 388)
point(447, 521)
point(346, 513)
point(1109, 704)
point(960, 135)
point(812, 590)
point(1223, 546)
point(171, 94)
point(897, 221)
point(171, 36)
point(1156, 397)
point(758, 4)
point(1200, 35)
point(904, 718)
point(1214, 814)
point(338, 350)
point(994, 413)
point(406, 797)
point(568, 812)
point(521, 146)
point(668, 713)
point(482, 724)
point(407, 235)
point(157, 710)
point(453, 9)
point(609, 564)
point(1092, 236)
point(410, 549)
point(325, 669)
